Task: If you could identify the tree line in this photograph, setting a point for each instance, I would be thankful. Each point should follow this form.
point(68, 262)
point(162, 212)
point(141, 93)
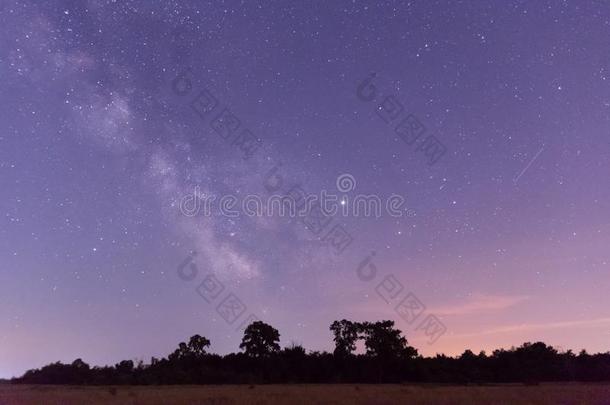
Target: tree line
point(388, 358)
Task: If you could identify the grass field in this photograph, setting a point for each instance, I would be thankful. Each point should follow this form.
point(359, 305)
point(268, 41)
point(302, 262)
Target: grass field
point(556, 394)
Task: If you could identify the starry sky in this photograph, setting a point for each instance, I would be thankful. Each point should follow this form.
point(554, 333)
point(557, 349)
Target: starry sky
point(503, 236)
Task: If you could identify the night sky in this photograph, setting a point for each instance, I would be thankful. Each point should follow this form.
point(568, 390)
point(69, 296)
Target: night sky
point(489, 118)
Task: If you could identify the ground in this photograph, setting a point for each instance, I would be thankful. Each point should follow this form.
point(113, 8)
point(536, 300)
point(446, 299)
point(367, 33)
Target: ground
point(556, 394)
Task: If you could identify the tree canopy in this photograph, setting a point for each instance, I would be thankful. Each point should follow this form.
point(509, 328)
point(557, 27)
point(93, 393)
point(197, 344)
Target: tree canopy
point(388, 358)
point(260, 340)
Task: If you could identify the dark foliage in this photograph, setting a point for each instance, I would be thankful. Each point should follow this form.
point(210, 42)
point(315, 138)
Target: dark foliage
point(388, 358)
point(260, 340)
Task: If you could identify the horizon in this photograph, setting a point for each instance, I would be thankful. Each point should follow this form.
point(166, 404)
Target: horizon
point(359, 351)
point(177, 169)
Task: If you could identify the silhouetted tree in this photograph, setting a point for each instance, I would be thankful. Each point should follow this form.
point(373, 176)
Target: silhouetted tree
point(260, 340)
point(294, 351)
point(197, 345)
point(125, 366)
point(180, 353)
point(383, 341)
point(388, 359)
point(195, 349)
point(346, 334)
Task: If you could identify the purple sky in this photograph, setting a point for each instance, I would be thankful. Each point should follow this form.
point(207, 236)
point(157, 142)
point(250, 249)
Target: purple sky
point(504, 239)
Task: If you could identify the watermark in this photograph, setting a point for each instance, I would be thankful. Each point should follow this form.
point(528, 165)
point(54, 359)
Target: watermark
point(346, 183)
point(297, 203)
point(321, 225)
point(316, 212)
point(405, 304)
point(408, 307)
point(406, 126)
point(227, 304)
point(219, 117)
point(411, 131)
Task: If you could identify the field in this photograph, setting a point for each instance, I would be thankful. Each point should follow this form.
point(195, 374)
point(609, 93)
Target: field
point(566, 394)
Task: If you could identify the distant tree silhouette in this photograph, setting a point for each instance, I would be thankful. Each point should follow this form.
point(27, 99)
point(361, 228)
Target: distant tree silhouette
point(197, 345)
point(195, 349)
point(180, 353)
point(388, 359)
point(346, 333)
point(125, 366)
point(383, 341)
point(79, 364)
point(294, 351)
point(260, 340)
